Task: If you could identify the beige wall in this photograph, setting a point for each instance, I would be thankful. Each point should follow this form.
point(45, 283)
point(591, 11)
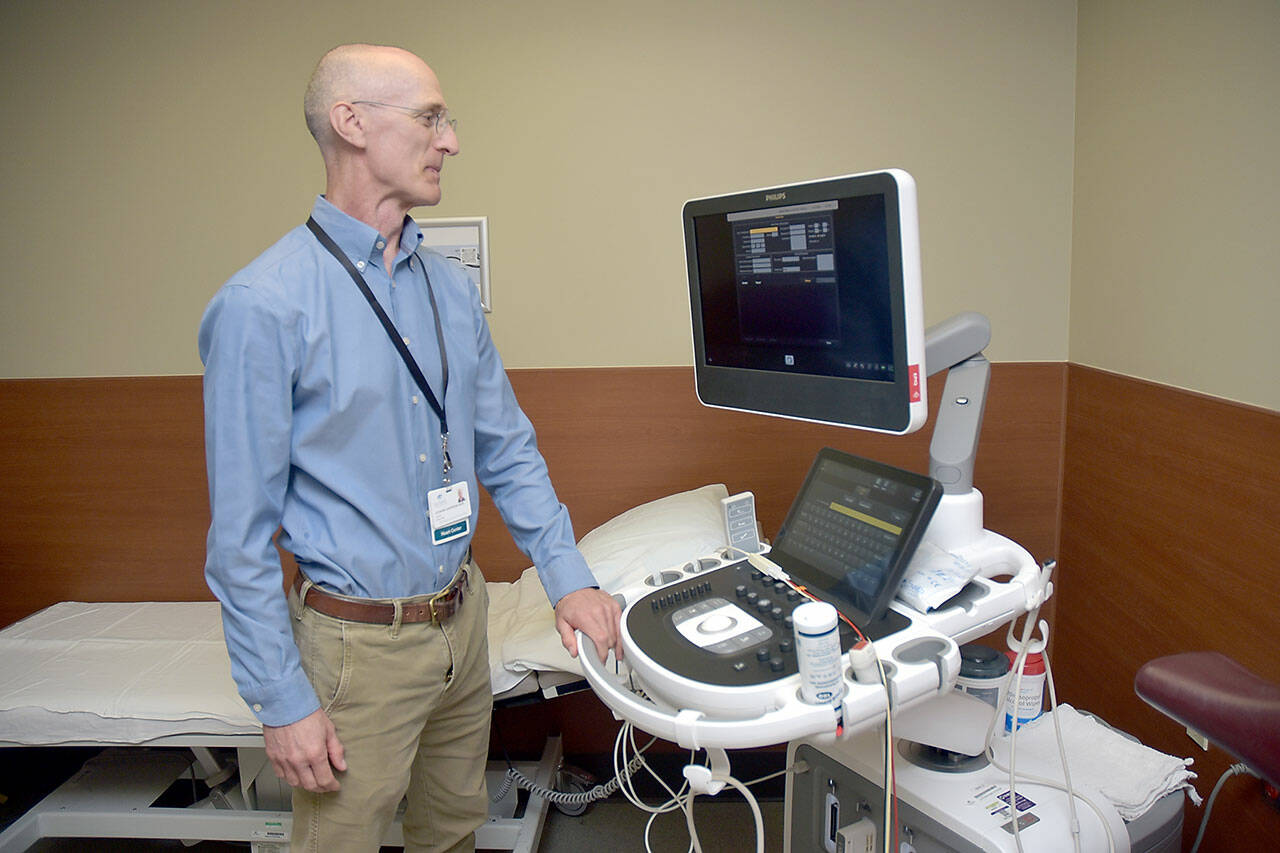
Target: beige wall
point(152, 148)
point(1176, 256)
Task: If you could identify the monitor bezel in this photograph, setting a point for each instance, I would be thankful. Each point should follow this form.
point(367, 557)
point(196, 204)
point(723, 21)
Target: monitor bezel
point(897, 407)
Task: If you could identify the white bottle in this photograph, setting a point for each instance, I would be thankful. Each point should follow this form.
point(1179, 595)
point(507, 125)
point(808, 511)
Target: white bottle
point(818, 652)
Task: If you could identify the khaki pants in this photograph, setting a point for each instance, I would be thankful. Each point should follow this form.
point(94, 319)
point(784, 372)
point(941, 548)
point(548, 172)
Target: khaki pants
point(411, 704)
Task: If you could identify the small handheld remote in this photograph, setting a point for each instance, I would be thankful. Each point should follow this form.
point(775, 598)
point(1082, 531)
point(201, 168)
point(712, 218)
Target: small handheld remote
point(740, 521)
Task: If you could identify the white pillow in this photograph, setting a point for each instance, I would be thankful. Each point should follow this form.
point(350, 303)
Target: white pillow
point(656, 535)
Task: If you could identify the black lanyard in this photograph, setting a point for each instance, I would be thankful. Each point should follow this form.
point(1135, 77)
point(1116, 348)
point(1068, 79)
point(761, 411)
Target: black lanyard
point(398, 341)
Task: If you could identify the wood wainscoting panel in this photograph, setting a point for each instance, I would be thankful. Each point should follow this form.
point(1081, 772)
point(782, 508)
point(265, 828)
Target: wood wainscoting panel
point(104, 493)
point(1170, 543)
point(617, 437)
point(105, 496)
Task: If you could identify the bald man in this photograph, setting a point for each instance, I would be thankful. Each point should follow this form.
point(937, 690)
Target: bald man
point(362, 439)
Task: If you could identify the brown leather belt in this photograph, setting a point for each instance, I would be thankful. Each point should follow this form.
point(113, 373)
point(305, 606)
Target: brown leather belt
point(436, 608)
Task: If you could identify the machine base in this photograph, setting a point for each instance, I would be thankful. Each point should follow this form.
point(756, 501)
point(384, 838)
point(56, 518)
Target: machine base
point(947, 811)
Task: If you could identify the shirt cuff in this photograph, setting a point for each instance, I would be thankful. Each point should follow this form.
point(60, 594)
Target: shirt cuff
point(564, 575)
point(283, 702)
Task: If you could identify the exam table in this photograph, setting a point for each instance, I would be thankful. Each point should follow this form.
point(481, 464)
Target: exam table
point(150, 682)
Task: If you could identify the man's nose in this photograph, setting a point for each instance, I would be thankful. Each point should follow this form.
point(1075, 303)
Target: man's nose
point(448, 141)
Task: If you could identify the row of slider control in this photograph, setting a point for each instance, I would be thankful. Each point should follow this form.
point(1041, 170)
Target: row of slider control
point(671, 599)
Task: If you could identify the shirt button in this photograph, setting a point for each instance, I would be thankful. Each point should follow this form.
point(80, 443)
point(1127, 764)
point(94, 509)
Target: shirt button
point(257, 706)
point(406, 341)
point(422, 457)
point(359, 265)
point(381, 244)
point(415, 399)
point(411, 263)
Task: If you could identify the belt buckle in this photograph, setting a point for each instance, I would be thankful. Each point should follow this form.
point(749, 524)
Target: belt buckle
point(452, 598)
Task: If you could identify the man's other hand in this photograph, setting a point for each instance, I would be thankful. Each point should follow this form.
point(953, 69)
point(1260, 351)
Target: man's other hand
point(305, 754)
point(594, 613)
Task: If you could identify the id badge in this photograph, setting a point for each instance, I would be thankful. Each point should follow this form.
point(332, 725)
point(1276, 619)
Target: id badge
point(449, 508)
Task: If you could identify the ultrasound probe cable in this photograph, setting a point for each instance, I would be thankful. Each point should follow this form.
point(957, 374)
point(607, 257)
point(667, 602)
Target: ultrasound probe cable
point(773, 570)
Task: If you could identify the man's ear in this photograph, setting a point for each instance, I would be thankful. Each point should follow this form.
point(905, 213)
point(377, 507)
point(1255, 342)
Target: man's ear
point(347, 124)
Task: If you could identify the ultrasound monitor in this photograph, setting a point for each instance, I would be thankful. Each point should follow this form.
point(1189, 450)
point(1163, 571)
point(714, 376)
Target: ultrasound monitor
point(806, 301)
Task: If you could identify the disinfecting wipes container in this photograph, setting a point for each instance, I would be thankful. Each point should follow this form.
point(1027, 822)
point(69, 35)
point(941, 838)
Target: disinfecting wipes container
point(983, 672)
point(818, 652)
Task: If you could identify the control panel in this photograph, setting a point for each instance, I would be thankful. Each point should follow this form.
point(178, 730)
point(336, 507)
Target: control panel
point(729, 625)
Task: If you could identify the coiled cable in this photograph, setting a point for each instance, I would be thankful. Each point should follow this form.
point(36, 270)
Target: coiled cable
point(568, 798)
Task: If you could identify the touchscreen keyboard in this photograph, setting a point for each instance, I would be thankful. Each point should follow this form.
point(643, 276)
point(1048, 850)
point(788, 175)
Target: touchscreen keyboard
point(848, 541)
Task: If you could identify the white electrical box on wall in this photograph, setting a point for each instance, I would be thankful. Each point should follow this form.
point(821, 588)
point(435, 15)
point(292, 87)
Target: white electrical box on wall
point(465, 239)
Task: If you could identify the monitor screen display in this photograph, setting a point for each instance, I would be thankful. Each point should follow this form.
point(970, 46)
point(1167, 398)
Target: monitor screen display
point(806, 301)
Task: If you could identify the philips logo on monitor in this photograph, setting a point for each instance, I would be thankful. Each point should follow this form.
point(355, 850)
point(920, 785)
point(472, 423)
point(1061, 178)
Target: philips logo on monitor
point(775, 196)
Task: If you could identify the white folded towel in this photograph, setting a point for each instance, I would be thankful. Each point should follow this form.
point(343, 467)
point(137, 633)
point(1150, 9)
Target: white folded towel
point(1130, 775)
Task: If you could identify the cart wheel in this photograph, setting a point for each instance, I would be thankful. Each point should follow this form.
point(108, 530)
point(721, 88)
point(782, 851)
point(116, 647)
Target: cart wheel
point(573, 780)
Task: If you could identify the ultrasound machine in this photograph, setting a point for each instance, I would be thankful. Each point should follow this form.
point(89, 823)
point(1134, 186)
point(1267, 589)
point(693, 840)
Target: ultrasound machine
point(806, 303)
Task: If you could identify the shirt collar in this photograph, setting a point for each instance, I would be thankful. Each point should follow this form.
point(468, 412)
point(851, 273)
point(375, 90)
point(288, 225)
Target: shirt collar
point(410, 236)
point(359, 240)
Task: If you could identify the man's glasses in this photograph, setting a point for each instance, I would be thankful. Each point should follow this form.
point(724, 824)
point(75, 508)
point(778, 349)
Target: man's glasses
point(438, 120)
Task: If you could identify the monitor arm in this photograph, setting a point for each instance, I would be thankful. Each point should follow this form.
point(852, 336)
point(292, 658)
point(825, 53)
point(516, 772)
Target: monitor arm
point(956, 345)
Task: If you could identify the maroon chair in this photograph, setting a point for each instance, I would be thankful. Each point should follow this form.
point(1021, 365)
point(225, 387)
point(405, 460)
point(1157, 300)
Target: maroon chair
point(1210, 693)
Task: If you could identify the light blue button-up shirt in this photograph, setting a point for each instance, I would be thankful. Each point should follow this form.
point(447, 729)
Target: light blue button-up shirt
point(313, 425)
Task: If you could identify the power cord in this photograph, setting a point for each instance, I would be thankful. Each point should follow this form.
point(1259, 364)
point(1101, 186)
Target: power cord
point(1233, 770)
